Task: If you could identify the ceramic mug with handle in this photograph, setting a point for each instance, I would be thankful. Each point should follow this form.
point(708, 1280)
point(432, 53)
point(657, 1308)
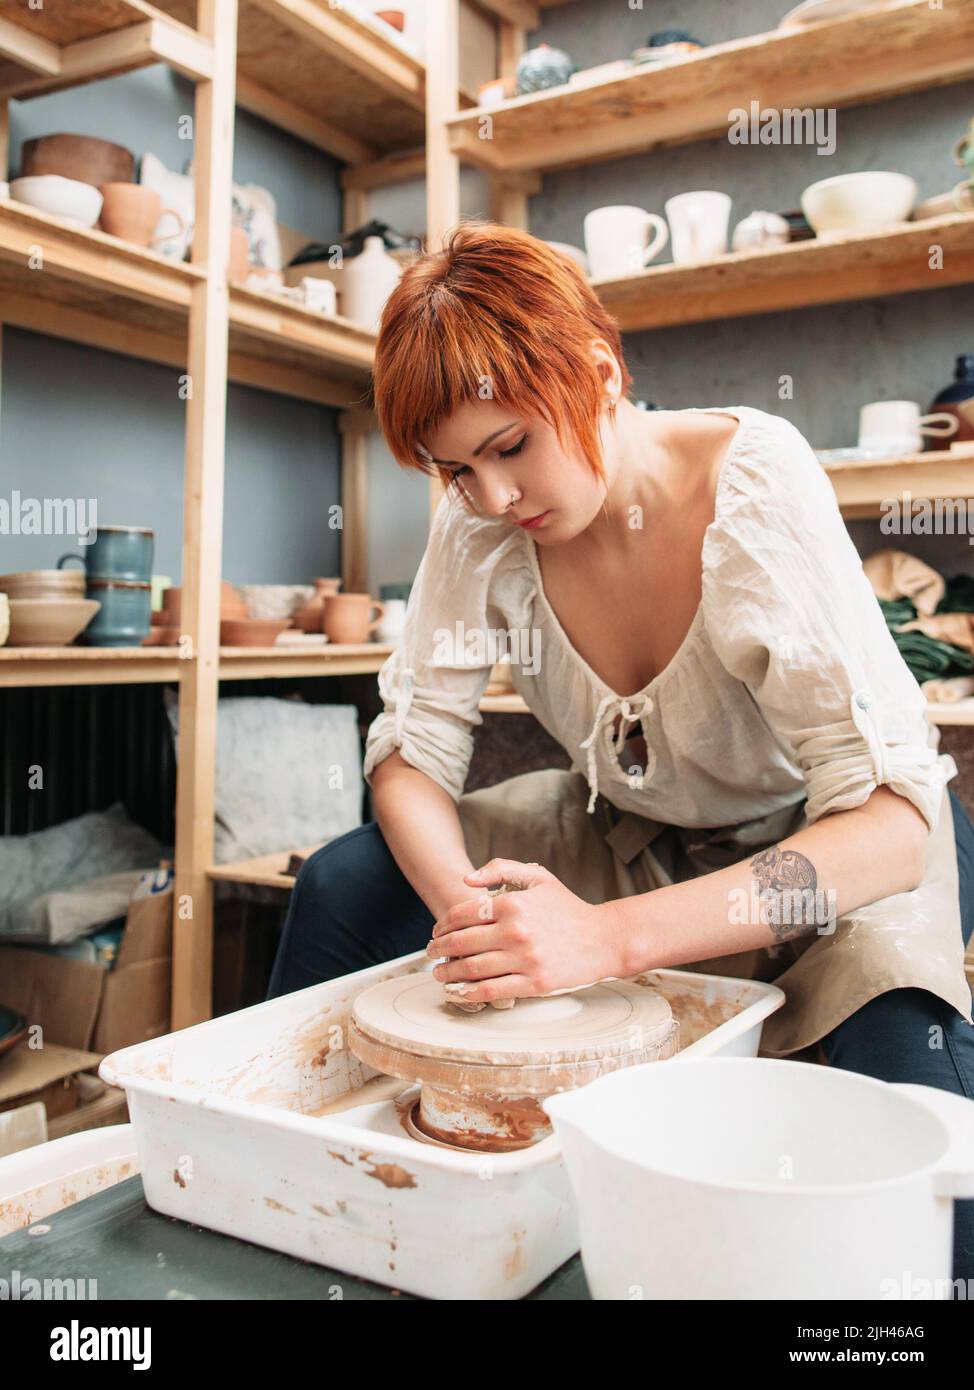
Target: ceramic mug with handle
point(348, 617)
point(897, 427)
point(699, 222)
point(133, 212)
point(618, 241)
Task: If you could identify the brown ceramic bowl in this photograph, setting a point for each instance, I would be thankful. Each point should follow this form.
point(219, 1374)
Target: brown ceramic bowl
point(250, 632)
point(44, 584)
point(49, 622)
point(80, 157)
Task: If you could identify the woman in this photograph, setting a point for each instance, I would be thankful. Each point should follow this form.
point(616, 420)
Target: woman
point(768, 803)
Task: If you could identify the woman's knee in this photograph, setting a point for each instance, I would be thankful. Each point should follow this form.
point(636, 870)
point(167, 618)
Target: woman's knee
point(351, 907)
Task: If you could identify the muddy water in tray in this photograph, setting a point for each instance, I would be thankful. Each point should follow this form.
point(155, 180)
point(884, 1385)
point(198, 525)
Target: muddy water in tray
point(482, 1076)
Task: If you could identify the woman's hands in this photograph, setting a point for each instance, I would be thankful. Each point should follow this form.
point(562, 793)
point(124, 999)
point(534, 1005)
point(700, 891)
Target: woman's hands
point(524, 943)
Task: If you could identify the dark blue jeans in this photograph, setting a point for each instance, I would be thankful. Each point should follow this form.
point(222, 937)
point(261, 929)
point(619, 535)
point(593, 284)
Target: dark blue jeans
point(352, 907)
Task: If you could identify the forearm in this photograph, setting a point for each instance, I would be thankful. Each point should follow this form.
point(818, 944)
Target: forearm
point(798, 888)
point(421, 826)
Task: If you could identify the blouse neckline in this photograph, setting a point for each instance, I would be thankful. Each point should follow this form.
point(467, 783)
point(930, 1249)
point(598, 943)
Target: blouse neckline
point(697, 623)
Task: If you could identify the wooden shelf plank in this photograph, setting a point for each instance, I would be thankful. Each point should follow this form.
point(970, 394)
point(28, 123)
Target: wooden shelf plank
point(263, 871)
point(905, 47)
point(823, 270)
point(332, 659)
point(861, 485)
point(960, 713)
point(33, 666)
point(511, 703)
point(95, 289)
point(51, 47)
point(323, 72)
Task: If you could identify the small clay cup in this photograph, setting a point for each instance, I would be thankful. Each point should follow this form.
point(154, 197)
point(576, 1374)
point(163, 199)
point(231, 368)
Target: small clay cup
point(347, 617)
point(132, 212)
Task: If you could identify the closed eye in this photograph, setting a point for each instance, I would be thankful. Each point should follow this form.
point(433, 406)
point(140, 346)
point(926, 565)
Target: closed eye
point(503, 453)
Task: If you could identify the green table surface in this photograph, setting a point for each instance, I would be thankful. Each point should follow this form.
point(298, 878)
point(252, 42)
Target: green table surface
point(137, 1253)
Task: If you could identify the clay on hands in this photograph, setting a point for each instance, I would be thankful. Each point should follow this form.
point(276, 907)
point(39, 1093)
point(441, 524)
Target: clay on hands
point(454, 992)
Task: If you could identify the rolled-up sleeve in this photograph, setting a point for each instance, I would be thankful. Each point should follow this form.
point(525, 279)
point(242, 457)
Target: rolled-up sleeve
point(792, 615)
point(431, 684)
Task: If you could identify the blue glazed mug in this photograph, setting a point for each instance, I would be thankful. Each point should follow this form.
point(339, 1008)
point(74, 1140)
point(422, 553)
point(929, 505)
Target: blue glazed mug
point(125, 616)
point(118, 552)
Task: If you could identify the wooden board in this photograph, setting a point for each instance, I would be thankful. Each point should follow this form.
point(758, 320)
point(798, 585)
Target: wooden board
point(64, 43)
point(106, 293)
point(321, 73)
point(860, 265)
point(867, 57)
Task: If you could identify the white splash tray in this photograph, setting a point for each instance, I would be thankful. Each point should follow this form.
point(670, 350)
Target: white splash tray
point(225, 1120)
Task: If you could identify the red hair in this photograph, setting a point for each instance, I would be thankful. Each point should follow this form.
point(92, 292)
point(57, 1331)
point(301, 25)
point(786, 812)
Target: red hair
point(496, 314)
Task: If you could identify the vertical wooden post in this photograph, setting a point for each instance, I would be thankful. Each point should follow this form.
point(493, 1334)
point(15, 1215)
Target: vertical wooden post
point(203, 521)
point(4, 172)
point(442, 165)
point(442, 85)
point(354, 437)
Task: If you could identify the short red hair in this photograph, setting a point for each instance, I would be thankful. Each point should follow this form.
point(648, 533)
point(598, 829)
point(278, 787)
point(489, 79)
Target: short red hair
point(498, 306)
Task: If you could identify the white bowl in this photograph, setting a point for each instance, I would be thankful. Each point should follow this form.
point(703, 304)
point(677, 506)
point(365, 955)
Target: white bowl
point(79, 202)
point(855, 202)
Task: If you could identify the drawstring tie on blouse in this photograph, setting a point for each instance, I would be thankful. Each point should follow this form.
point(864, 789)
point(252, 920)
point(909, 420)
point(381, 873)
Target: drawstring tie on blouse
point(612, 705)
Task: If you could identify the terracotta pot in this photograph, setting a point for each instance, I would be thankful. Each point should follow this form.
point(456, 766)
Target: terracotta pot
point(162, 637)
point(249, 632)
point(132, 213)
point(310, 618)
point(80, 157)
point(348, 617)
point(239, 254)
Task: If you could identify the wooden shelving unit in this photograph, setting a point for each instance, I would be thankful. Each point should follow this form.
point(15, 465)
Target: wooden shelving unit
point(862, 485)
point(825, 270)
point(845, 62)
point(106, 293)
point(47, 47)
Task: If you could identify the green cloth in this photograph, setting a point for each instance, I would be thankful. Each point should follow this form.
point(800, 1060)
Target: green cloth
point(927, 657)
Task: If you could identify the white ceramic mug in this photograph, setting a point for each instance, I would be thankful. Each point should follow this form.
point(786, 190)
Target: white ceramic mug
point(897, 427)
point(698, 225)
point(617, 240)
point(393, 620)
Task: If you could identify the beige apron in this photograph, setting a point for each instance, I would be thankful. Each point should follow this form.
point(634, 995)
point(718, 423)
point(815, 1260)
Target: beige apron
point(909, 940)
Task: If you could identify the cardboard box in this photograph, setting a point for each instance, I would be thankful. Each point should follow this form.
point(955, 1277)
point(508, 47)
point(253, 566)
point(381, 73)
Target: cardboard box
point(85, 1007)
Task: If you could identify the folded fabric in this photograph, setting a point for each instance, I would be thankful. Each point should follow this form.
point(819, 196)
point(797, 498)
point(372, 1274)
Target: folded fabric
point(954, 628)
point(54, 919)
point(61, 857)
point(895, 574)
point(949, 691)
point(959, 595)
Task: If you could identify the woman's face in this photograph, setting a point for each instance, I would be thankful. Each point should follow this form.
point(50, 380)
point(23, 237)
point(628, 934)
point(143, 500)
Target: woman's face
point(495, 450)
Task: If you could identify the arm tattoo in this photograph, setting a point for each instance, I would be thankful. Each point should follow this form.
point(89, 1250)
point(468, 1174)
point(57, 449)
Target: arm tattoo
point(786, 885)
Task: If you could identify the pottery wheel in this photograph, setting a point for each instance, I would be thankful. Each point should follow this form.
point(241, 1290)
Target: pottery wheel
point(483, 1075)
point(616, 1022)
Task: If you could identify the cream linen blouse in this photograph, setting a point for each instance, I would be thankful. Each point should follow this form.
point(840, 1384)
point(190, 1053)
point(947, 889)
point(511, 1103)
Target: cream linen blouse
point(787, 685)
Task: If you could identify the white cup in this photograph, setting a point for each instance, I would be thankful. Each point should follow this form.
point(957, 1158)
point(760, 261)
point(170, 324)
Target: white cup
point(320, 295)
point(617, 240)
point(393, 620)
point(698, 225)
point(897, 427)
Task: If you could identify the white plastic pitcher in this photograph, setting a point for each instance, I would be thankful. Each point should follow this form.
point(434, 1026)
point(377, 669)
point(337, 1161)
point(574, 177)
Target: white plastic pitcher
point(741, 1178)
